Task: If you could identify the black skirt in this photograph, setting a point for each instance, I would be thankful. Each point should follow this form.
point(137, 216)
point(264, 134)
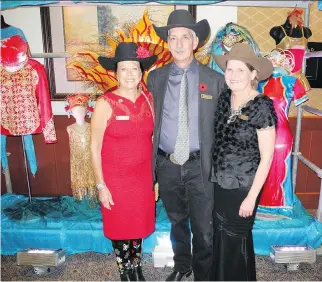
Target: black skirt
point(233, 257)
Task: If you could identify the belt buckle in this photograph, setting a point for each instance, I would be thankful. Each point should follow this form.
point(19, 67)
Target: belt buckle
point(172, 159)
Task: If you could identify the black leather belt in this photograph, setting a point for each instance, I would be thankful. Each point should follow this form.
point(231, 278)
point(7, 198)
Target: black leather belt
point(192, 156)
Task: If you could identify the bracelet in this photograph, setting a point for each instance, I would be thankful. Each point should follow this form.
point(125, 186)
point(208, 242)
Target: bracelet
point(100, 186)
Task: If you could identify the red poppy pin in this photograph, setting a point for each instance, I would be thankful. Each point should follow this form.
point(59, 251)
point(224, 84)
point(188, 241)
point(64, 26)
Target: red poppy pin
point(203, 87)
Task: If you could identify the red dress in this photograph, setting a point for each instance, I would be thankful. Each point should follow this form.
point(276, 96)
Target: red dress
point(127, 168)
point(277, 194)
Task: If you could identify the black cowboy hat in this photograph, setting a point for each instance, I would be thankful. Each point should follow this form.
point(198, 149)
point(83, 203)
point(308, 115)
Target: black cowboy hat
point(182, 18)
point(127, 51)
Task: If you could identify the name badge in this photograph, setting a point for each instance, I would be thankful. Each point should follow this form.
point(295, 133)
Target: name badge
point(243, 117)
point(122, 117)
point(206, 96)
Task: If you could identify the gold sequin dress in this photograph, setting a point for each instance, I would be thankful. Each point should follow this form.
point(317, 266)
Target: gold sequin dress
point(82, 174)
point(297, 46)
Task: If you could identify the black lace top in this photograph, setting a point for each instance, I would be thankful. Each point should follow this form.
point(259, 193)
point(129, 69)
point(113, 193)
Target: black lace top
point(235, 153)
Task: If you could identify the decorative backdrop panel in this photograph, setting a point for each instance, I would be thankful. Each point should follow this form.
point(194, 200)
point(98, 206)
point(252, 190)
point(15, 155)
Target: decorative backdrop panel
point(13, 4)
point(315, 23)
point(259, 22)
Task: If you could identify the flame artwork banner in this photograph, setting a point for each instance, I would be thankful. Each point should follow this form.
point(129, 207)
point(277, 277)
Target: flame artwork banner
point(92, 33)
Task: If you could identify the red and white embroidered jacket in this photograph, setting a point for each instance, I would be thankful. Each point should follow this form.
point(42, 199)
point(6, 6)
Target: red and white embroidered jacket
point(25, 102)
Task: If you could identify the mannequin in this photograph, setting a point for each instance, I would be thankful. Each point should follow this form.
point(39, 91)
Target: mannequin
point(25, 106)
point(277, 194)
point(82, 175)
point(292, 26)
point(8, 30)
point(17, 62)
point(292, 36)
point(24, 90)
point(3, 23)
point(79, 113)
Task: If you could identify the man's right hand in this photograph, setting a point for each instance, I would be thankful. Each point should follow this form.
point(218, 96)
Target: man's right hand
point(105, 197)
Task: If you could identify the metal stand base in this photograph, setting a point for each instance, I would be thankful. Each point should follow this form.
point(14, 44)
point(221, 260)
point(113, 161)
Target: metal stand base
point(292, 266)
point(40, 270)
point(26, 168)
point(8, 180)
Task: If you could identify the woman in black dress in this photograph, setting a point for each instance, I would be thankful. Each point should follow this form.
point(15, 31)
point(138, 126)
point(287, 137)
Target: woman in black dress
point(241, 157)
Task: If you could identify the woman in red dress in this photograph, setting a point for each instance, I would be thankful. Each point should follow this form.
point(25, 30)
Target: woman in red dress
point(122, 127)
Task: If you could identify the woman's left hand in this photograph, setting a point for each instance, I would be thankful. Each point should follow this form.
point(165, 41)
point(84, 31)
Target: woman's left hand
point(156, 191)
point(247, 207)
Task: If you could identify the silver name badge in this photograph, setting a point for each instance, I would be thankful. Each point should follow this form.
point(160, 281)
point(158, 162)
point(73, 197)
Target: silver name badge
point(122, 117)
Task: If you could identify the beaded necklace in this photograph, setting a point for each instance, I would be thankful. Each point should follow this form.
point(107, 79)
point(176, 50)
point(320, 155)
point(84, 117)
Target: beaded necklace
point(233, 114)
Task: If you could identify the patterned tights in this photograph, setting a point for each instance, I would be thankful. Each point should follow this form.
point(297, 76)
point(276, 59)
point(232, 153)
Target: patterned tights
point(128, 253)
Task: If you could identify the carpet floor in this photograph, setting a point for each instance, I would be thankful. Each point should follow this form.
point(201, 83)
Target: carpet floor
point(102, 267)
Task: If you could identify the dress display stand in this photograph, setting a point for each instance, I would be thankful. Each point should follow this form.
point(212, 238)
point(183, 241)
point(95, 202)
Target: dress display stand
point(26, 169)
point(25, 110)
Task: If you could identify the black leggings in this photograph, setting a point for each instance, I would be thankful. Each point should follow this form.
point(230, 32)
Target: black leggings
point(128, 253)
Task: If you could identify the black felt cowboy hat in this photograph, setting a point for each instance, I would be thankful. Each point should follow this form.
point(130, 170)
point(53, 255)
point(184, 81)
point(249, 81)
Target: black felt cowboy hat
point(182, 18)
point(243, 52)
point(128, 51)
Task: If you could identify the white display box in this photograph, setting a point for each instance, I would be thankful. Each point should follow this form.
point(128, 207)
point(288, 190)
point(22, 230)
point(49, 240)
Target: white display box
point(38, 257)
point(162, 256)
point(292, 254)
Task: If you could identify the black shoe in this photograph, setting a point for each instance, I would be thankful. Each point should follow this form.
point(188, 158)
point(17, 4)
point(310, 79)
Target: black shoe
point(137, 274)
point(178, 276)
point(125, 276)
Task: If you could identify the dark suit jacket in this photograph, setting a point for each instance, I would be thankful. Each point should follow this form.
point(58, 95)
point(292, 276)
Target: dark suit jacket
point(215, 84)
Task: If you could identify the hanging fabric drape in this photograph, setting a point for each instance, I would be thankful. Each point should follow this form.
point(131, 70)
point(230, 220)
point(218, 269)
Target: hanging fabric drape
point(14, 4)
point(4, 157)
point(320, 5)
point(30, 151)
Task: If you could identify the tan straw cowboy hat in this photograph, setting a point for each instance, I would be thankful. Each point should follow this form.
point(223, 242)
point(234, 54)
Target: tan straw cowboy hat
point(243, 52)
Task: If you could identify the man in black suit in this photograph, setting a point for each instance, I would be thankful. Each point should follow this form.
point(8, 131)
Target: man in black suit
point(185, 96)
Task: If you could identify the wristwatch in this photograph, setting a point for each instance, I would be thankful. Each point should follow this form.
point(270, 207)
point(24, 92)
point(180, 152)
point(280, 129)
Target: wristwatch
point(100, 186)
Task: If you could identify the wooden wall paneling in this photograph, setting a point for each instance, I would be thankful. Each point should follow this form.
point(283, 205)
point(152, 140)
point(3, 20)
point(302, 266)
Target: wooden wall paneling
point(308, 183)
point(53, 176)
point(16, 165)
point(313, 185)
point(62, 155)
point(309, 201)
point(45, 180)
point(303, 170)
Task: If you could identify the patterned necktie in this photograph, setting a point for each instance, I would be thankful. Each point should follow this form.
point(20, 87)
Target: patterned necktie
point(182, 149)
